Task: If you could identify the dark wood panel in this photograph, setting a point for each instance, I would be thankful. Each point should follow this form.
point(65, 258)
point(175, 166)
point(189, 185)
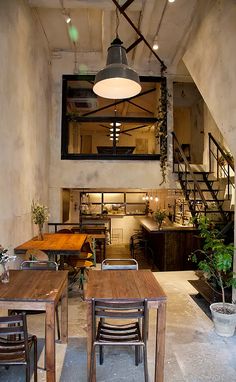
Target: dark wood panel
point(172, 248)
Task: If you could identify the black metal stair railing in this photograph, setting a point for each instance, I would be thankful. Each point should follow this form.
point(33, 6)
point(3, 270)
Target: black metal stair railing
point(188, 180)
point(221, 163)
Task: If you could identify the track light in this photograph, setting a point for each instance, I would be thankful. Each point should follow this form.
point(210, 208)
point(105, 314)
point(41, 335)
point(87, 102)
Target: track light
point(155, 45)
point(66, 16)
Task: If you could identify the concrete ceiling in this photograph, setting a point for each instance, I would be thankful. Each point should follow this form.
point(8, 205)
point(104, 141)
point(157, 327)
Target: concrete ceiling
point(95, 21)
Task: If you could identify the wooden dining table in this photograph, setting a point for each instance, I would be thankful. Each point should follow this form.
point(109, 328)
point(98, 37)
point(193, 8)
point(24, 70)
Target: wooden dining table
point(55, 244)
point(129, 285)
point(40, 290)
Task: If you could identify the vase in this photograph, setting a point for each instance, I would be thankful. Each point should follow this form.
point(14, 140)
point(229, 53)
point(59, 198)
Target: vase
point(5, 273)
point(40, 231)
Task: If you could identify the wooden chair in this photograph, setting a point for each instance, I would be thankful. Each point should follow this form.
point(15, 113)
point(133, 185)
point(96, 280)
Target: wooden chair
point(119, 264)
point(80, 263)
point(40, 265)
point(112, 334)
point(64, 230)
point(15, 344)
point(36, 254)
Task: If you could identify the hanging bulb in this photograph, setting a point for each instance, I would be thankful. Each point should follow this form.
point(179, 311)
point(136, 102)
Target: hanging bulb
point(156, 199)
point(151, 197)
point(143, 198)
point(115, 123)
point(155, 45)
point(147, 197)
point(116, 129)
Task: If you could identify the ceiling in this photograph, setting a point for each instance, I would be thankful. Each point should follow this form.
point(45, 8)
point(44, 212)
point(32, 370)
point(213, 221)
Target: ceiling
point(96, 22)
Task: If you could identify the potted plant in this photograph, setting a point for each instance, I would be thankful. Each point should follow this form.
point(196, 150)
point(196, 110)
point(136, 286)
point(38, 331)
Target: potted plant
point(159, 217)
point(215, 259)
point(39, 216)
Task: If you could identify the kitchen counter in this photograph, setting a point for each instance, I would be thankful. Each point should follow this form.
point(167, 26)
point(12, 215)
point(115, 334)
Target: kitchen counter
point(150, 225)
point(170, 246)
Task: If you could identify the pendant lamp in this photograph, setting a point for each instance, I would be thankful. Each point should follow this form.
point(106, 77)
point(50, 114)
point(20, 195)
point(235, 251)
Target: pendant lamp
point(117, 80)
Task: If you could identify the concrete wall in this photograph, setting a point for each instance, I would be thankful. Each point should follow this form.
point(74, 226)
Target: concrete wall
point(211, 60)
point(89, 173)
point(25, 113)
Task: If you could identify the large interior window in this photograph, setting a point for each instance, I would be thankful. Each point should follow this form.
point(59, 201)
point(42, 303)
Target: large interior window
point(94, 127)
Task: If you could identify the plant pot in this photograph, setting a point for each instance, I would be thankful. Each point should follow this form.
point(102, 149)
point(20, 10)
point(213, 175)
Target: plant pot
point(224, 323)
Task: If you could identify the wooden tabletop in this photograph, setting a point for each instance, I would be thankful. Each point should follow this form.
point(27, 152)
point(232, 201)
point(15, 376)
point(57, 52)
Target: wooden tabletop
point(54, 242)
point(131, 284)
point(33, 285)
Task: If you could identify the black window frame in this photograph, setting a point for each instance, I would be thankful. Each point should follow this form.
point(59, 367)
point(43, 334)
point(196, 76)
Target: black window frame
point(96, 156)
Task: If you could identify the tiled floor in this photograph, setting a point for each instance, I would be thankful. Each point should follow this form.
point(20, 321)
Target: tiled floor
point(194, 353)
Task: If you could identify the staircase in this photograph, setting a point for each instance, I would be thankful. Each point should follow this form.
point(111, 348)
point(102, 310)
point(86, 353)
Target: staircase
point(210, 192)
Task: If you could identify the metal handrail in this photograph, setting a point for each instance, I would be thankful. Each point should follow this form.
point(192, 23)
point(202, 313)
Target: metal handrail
point(187, 169)
point(220, 168)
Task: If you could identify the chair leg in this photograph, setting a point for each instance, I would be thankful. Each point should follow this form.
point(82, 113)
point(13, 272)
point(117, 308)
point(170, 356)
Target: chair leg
point(145, 364)
point(101, 355)
point(27, 372)
point(137, 356)
point(92, 364)
point(58, 324)
point(35, 360)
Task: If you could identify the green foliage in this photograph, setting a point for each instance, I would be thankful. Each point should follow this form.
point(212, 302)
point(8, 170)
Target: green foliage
point(160, 215)
point(39, 213)
point(216, 257)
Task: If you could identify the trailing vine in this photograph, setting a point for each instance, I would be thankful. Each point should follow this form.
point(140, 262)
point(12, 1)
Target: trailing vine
point(162, 127)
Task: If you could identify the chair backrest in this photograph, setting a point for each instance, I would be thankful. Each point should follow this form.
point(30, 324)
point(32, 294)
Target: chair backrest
point(14, 325)
point(36, 254)
point(119, 264)
point(39, 265)
point(64, 230)
point(121, 310)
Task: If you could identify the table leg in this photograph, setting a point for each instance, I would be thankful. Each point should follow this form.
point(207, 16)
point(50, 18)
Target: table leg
point(89, 341)
point(64, 314)
point(50, 343)
point(160, 342)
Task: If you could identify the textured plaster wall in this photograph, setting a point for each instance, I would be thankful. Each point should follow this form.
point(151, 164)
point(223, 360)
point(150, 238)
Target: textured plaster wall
point(211, 60)
point(85, 173)
point(24, 123)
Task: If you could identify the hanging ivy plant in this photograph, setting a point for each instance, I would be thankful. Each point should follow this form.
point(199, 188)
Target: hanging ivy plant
point(162, 127)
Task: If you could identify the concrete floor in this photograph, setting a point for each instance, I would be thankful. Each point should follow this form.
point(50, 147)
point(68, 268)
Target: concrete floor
point(194, 353)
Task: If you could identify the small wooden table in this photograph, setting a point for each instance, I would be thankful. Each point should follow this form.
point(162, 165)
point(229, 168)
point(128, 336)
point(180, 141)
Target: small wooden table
point(40, 290)
point(129, 285)
point(55, 244)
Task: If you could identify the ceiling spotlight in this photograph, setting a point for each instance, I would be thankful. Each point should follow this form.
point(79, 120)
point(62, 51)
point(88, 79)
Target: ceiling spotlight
point(171, 1)
point(155, 45)
point(68, 19)
point(66, 16)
